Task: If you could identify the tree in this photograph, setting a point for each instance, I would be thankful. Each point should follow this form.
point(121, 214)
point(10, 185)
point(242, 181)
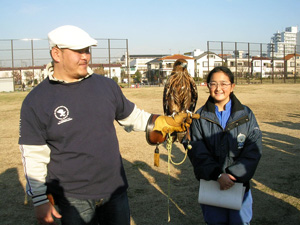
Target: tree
point(115, 79)
point(17, 77)
point(123, 75)
point(29, 77)
point(100, 70)
point(137, 77)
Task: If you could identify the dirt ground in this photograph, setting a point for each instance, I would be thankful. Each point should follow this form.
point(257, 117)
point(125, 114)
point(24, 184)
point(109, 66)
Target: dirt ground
point(275, 186)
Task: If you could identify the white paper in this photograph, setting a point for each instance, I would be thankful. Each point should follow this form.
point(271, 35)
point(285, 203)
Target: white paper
point(210, 194)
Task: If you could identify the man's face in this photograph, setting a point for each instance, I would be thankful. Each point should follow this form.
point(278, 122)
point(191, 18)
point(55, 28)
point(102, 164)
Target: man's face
point(72, 64)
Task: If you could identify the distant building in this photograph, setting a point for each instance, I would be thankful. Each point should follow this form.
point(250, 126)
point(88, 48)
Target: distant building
point(167, 64)
point(194, 53)
point(110, 70)
point(292, 64)
point(160, 68)
point(283, 43)
point(139, 62)
point(206, 62)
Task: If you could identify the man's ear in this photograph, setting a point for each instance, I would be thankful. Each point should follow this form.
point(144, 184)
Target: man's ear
point(55, 54)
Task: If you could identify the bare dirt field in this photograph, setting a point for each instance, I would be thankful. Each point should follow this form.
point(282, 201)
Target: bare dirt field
point(275, 186)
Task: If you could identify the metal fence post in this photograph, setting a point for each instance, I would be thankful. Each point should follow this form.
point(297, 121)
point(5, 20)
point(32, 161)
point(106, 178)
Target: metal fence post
point(207, 57)
point(235, 62)
point(261, 66)
point(222, 53)
point(32, 61)
point(249, 66)
point(295, 66)
point(272, 48)
point(128, 72)
point(109, 66)
point(12, 61)
point(284, 65)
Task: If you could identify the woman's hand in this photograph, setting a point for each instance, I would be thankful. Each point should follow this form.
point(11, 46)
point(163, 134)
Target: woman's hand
point(226, 181)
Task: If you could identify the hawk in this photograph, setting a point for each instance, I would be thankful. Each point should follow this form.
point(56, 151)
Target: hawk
point(180, 94)
point(180, 91)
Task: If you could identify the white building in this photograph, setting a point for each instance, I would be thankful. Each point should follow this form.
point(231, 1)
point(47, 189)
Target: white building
point(160, 68)
point(194, 53)
point(206, 62)
point(283, 43)
point(139, 62)
point(292, 64)
point(27, 75)
point(261, 66)
point(167, 64)
point(239, 66)
point(110, 70)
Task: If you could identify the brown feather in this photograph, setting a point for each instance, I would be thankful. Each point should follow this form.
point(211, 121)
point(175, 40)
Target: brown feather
point(180, 91)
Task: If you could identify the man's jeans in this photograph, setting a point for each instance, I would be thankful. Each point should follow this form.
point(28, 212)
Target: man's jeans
point(113, 211)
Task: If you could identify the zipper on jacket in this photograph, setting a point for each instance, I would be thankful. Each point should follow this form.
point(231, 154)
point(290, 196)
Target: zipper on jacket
point(236, 123)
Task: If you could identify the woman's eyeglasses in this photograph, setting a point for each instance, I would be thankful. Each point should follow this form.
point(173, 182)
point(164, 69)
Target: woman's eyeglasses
point(214, 85)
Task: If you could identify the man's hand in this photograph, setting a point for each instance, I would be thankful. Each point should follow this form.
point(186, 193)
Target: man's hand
point(44, 213)
point(179, 123)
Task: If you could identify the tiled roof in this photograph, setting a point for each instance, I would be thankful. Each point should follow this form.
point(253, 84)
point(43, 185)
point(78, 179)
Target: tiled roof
point(289, 56)
point(23, 68)
point(106, 65)
point(176, 56)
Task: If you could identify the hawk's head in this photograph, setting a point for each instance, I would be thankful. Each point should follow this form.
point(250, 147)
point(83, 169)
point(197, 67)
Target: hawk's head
point(180, 65)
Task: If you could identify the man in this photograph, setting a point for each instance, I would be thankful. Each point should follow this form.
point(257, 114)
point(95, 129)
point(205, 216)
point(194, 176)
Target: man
point(68, 140)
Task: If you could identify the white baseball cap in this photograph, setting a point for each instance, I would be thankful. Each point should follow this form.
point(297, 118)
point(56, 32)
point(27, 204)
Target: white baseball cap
point(70, 37)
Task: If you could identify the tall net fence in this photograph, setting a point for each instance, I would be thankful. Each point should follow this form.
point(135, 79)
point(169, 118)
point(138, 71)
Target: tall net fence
point(32, 56)
point(256, 62)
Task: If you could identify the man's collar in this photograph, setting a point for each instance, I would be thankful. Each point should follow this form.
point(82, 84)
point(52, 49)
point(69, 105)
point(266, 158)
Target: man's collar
point(49, 71)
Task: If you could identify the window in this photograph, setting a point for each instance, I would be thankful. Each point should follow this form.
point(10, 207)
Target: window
point(169, 65)
point(218, 64)
point(205, 64)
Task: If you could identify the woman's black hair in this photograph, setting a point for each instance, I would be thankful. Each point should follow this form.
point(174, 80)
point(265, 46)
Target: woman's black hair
point(223, 69)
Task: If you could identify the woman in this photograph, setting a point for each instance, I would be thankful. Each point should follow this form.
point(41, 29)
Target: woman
point(226, 146)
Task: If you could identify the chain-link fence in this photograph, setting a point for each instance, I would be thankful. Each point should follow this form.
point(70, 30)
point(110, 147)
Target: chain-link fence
point(256, 62)
point(250, 62)
point(30, 56)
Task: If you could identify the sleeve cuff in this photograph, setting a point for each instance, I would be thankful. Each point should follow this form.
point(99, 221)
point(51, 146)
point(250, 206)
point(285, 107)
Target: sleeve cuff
point(39, 199)
point(217, 171)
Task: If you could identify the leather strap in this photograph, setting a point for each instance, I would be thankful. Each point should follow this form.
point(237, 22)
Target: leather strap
point(153, 137)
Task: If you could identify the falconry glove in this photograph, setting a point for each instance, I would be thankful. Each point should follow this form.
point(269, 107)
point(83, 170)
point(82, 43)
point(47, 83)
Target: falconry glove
point(179, 123)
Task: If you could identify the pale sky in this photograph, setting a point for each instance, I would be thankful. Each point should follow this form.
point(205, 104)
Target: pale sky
point(156, 26)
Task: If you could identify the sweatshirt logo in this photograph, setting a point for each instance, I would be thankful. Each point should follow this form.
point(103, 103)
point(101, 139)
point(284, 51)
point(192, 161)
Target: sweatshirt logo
point(62, 114)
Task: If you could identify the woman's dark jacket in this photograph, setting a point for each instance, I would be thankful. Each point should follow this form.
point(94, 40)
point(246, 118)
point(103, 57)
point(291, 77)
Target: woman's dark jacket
point(236, 149)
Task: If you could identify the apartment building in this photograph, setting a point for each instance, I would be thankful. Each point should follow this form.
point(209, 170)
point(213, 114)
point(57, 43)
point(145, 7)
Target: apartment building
point(284, 43)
